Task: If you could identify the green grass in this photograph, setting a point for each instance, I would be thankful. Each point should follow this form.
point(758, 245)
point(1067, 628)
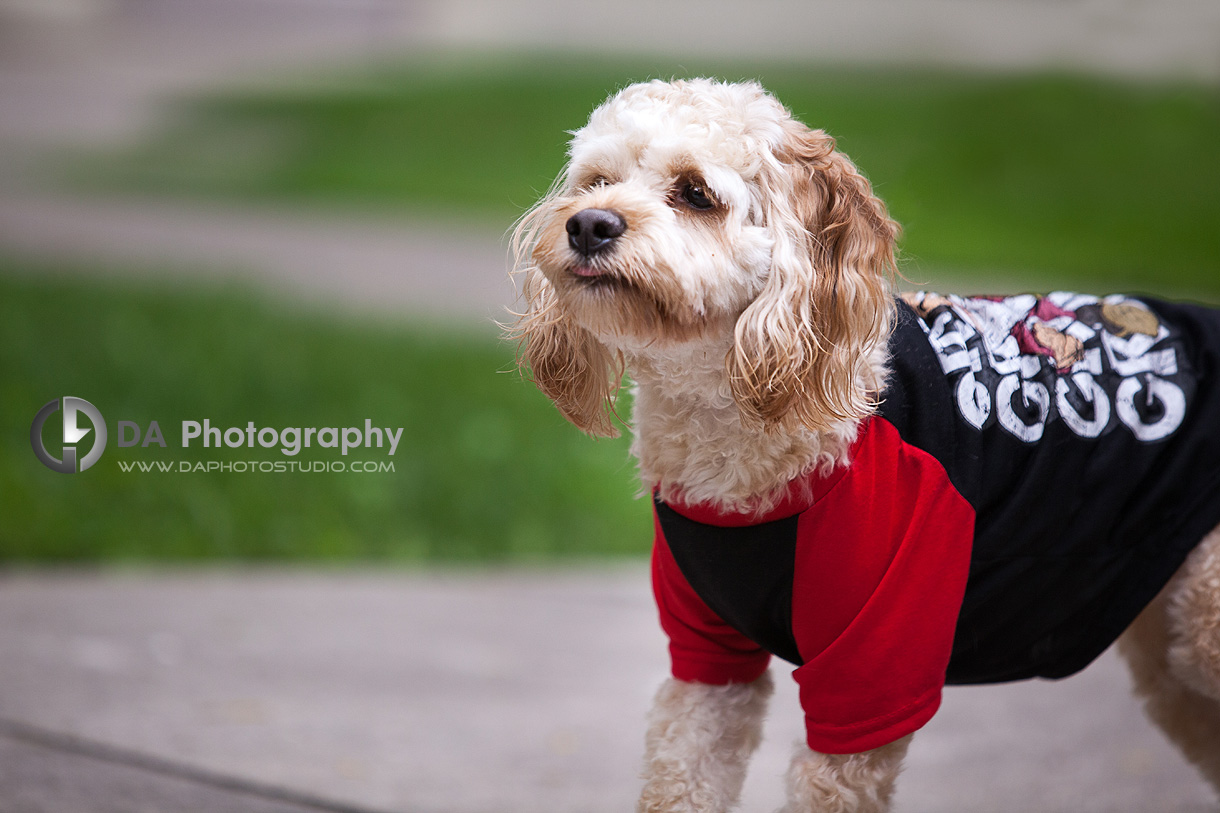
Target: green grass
point(1106, 181)
point(486, 470)
point(1094, 184)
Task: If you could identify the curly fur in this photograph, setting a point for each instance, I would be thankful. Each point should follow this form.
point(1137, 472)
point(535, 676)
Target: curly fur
point(1194, 654)
point(844, 783)
point(1173, 650)
point(754, 330)
point(568, 363)
point(754, 333)
point(803, 346)
point(699, 741)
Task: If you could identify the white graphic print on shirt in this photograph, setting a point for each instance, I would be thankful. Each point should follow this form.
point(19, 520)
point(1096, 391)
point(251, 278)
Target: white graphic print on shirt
point(1024, 361)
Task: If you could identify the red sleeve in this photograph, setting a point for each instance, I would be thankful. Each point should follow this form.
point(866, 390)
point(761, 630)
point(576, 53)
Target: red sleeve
point(881, 570)
point(702, 647)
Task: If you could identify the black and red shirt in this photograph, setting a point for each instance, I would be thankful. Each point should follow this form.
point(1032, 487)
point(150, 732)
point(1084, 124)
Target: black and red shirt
point(1038, 469)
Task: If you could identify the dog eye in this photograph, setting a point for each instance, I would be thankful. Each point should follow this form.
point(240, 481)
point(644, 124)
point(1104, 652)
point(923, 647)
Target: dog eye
point(595, 182)
point(697, 197)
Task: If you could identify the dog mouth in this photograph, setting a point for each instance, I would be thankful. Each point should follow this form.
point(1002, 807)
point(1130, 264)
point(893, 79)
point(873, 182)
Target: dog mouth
point(614, 302)
point(593, 278)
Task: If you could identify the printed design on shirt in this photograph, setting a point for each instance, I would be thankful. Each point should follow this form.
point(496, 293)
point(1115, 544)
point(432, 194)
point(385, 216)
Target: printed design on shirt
point(1025, 361)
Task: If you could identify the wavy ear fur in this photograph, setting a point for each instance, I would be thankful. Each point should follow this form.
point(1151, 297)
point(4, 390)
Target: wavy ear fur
point(564, 360)
point(804, 348)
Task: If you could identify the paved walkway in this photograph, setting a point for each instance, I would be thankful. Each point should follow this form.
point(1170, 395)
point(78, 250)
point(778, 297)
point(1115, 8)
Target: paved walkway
point(479, 692)
point(358, 264)
point(86, 69)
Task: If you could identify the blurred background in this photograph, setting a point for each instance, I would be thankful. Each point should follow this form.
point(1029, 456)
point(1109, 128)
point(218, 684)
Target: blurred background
point(293, 213)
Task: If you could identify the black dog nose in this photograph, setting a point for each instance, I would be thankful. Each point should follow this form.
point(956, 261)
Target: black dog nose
point(591, 230)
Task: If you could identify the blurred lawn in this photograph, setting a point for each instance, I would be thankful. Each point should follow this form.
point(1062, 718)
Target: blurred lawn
point(486, 469)
point(1097, 185)
point(1112, 184)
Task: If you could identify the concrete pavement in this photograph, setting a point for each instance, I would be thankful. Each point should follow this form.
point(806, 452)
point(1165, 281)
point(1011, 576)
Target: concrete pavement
point(365, 264)
point(473, 691)
point(84, 70)
point(48, 771)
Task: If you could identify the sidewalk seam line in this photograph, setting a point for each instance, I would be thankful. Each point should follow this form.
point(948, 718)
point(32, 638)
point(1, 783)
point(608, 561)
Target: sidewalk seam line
point(92, 749)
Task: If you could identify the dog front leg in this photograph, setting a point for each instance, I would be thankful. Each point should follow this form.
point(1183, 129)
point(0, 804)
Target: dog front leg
point(699, 741)
point(844, 783)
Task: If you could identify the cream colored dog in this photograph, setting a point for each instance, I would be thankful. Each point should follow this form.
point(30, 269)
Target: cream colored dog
point(739, 268)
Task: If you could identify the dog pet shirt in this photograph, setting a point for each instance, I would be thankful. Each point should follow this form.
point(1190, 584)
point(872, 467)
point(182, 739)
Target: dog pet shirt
point(1037, 471)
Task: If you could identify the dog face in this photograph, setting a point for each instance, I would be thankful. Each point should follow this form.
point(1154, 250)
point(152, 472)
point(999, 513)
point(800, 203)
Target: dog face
point(698, 211)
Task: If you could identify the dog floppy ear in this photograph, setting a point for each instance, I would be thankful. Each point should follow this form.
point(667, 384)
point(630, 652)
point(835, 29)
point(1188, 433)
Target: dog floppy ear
point(565, 361)
point(803, 348)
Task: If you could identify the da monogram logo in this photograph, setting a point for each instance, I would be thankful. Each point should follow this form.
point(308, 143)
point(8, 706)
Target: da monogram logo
point(73, 434)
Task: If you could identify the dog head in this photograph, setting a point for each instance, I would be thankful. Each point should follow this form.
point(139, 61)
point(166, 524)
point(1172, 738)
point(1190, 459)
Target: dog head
point(700, 211)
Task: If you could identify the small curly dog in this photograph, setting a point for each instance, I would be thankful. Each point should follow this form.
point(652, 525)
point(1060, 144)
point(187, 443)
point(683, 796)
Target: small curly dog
point(891, 492)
